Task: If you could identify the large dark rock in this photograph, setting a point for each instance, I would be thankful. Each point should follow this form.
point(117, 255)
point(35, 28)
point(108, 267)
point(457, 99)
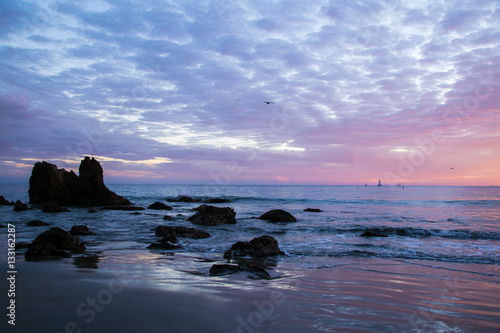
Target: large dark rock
point(4, 202)
point(179, 231)
point(20, 206)
point(53, 207)
point(81, 230)
point(278, 215)
point(211, 215)
point(263, 246)
point(49, 184)
point(159, 206)
point(54, 242)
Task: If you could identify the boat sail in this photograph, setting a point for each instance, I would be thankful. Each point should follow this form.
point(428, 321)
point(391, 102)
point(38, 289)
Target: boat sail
point(379, 183)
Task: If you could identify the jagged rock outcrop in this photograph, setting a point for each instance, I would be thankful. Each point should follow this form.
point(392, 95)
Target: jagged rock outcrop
point(278, 215)
point(211, 215)
point(54, 242)
point(50, 184)
point(4, 202)
point(19, 206)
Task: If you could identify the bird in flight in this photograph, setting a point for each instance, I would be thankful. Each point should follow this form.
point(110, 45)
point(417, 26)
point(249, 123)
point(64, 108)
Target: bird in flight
point(268, 102)
point(452, 168)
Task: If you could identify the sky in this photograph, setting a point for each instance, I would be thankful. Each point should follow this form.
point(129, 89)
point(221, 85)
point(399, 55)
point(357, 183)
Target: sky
point(172, 92)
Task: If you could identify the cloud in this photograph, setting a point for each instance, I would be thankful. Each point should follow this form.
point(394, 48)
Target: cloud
point(355, 85)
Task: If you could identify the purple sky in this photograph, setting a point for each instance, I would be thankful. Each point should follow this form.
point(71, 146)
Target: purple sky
point(173, 91)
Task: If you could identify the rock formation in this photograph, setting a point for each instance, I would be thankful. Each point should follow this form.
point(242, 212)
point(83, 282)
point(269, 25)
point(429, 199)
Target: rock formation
point(54, 242)
point(313, 210)
point(81, 230)
point(263, 246)
point(226, 269)
point(49, 184)
point(20, 206)
point(4, 202)
point(278, 215)
point(159, 206)
point(211, 215)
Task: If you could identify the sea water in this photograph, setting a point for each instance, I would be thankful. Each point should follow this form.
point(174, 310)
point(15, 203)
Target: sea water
point(444, 228)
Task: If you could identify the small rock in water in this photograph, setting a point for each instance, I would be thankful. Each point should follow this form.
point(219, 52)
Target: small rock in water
point(163, 246)
point(37, 223)
point(122, 208)
point(211, 215)
point(278, 215)
point(159, 206)
point(164, 230)
point(216, 200)
point(81, 230)
point(263, 246)
point(92, 210)
point(227, 269)
point(370, 233)
point(313, 210)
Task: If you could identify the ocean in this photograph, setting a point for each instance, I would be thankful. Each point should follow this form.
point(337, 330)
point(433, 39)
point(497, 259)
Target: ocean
point(437, 269)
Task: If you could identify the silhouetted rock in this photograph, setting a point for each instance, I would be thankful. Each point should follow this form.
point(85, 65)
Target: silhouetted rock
point(54, 242)
point(159, 206)
point(49, 184)
point(19, 206)
point(371, 233)
point(81, 230)
point(227, 269)
point(263, 246)
point(216, 200)
point(129, 208)
point(37, 223)
point(52, 207)
point(211, 215)
point(168, 217)
point(179, 231)
point(4, 202)
point(183, 198)
point(278, 215)
point(313, 210)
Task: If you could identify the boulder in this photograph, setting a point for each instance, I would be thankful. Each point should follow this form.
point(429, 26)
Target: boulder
point(53, 207)
point(183, 198)
point(211, 215)
point(216, 200)
point(50, 184)
point(4, 202)
point(37, 223)
point(227, 269)
point(19, 206)
point(278, 215)
point(179, 231)
point(313, 210)
point(81, 230)
point(263, 246)
point(159, 206)
point(54, 242)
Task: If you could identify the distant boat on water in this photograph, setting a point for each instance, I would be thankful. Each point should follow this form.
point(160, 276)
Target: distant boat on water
point(379, 183)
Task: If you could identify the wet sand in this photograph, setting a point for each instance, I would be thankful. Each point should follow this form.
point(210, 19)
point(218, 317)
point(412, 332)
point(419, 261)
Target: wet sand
point(362, 295)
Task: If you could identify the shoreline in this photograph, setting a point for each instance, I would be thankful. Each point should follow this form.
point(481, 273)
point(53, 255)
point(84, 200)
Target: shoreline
point(363, 295)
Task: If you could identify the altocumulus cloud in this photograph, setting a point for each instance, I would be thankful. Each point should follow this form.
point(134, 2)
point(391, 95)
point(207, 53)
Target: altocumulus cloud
point(173, 91)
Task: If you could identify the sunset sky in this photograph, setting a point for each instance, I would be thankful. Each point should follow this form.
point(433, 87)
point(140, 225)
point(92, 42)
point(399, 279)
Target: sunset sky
point(174, 91)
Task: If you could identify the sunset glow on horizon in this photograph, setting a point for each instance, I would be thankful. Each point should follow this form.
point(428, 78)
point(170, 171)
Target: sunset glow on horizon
point(175, 92)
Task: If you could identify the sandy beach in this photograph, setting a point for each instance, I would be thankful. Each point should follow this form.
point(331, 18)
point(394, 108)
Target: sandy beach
point(364, 295)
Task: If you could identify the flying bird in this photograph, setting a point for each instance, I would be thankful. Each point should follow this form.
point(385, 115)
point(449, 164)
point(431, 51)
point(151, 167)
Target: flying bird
point(268, 102)
point(452, 168)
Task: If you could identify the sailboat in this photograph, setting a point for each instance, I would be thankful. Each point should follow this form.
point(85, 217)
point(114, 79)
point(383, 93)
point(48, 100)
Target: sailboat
point(379, 183)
